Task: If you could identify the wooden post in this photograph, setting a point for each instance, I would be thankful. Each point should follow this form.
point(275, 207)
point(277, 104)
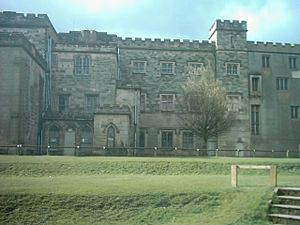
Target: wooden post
point(273, 174)
point(234, 176)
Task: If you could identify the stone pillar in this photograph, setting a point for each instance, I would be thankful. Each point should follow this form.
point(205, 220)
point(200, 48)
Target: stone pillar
point(234, 176)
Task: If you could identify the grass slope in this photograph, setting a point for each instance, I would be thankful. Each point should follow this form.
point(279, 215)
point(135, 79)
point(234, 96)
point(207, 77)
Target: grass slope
point(113, 190)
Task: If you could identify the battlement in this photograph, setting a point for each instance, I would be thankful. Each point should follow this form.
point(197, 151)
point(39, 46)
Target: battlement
point(14, 19)
point(234, 25)
point(113, 109)
point(18, 39)
point(260, 46)
point(158, 43)
point(86, 36)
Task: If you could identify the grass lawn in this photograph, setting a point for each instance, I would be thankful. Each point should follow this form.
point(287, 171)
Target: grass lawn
point(121, 190)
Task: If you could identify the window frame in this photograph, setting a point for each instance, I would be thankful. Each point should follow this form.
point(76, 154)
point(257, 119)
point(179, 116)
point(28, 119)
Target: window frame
point(195, 67)
point(186, 139)
point(137, 70)
point(166, 143)
point(65, 104)
point(258, 89)
point(292, 62)
point(282, 83)
point(88, 107)
point(165, 104)
point(231, 106)
point(163, 70)
point(255, 119)
point(230, 71)
point(294, 111)
point(82, 65)
point(266, 61)
point(143, 103)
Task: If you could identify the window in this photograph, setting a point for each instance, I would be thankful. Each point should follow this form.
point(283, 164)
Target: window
point(167, 139)
point(232, 68)
point(91, 103)
point(255, 84)
point(110, 141)
point(266, 61)
point(86, 136)
point(187, 140)
point(167, 102)
point(281, 83)
point(195, 68)
point(63, 103)
point(82, 65)
point(143, 102)
point(142, 139)
point(292, 62)
point(138, 66)
point(53, 136)
point(233, 102)
point(295, 112)
point(167, 68)
point(54, 60)
point(255, 119)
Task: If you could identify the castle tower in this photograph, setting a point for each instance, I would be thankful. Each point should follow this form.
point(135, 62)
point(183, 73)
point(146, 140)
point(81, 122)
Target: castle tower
point(229, 35)
point(231, 63)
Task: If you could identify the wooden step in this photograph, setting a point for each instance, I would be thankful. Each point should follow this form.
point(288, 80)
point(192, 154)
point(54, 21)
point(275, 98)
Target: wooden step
point(284, 206)
point(297, 198)
point(284, 216)
point(289, 188)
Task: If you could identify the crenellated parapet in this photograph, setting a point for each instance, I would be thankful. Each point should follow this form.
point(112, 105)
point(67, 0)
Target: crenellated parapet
point(14, 19)
point(8, 39)
point(165, 44)
point(231, 25)
point(273, 47)
point(113, 109)
point(87, 37)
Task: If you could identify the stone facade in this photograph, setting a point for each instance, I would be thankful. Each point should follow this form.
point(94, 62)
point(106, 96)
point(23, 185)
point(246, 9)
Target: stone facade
point(101, 90)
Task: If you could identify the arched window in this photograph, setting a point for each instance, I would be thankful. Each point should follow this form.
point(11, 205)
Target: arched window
point(110, 142)
point(53, 136)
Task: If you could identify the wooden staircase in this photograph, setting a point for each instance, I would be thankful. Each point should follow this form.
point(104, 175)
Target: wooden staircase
point(285, 206)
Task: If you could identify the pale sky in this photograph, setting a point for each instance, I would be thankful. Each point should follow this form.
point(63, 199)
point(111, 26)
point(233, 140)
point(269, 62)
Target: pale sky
point(268, 20)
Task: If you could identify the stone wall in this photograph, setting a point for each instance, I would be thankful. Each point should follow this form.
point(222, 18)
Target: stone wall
point(21, 91)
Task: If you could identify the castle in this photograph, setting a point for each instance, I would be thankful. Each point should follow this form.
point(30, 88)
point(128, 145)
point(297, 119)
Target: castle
point(88, 88)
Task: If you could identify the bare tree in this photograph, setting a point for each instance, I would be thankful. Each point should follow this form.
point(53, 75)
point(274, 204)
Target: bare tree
point(203, 105)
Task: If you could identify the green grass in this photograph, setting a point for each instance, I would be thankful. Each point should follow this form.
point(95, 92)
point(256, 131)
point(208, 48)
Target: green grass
point(115, 190)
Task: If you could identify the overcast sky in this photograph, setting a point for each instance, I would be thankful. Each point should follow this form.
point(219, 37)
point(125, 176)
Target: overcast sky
point(268, 20)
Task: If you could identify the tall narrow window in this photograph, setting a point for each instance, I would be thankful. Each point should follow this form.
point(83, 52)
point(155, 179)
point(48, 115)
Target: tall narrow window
point(292, 62)
point(143, 102)
point(63, 103)
point(82, 65)
point(266, 61)
point(255, 119)
point(53, 136)
point(167, 102)
point(295, 112)
point(187, 140)
point(142, 139)
point(91, 103)
point(281, 83)
point(110, 141)
point(167, 139)
point(86, 136)
point(255, 84)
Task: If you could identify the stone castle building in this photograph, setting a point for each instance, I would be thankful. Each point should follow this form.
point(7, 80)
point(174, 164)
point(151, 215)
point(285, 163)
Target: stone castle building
point(88, 88)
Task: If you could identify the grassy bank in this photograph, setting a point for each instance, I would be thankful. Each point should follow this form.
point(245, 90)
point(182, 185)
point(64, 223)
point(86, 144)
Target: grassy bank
point(112, 190)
